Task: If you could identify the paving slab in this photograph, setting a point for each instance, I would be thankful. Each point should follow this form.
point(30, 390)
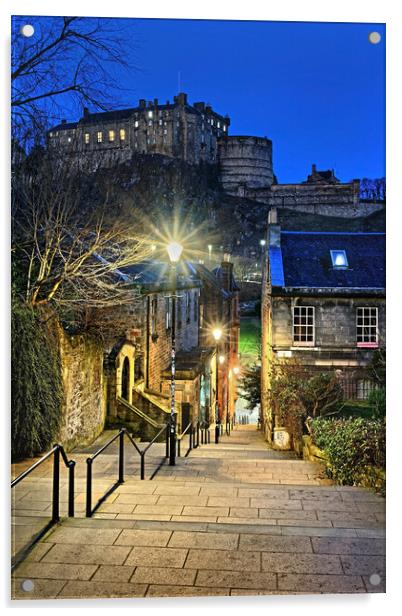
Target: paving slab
point(233, 519)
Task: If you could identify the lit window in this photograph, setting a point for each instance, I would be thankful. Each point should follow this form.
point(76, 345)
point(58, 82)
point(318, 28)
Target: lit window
point(50, 134)
point(212, 122)
point(87, 137)
point(160, 122)
point(111, 135)
point(367, 326)
point(219, 124)
point(339, 259)
point(99, 136)
point(136, 124)
point(154, 312)
point(224, 128)
point(168, 312)
point(122, 134)
point(150, 123)
point(165, 131)
point(69, 139)
point(150, 114)
point(136, 145)
point(303, 325)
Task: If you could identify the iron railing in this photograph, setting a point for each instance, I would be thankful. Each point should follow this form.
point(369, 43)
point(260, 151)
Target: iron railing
point(205, 433)
point(194, 438)
point(120, 479)
point(57, 451)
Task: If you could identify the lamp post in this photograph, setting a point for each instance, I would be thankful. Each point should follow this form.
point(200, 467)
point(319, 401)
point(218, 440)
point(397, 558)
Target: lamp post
point(217, 334)
point(174, 251)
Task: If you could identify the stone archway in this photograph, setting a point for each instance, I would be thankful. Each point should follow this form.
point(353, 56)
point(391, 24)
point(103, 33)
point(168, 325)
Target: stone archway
point(120, 375)
point(125, 379)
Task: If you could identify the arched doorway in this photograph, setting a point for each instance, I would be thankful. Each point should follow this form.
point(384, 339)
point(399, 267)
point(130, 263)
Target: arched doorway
point(125, 379)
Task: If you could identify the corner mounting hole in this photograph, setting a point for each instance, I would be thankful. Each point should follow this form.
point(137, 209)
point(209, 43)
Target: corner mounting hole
point(27, 30)
point(27, 585)
point(374, 37)
point(375, 579)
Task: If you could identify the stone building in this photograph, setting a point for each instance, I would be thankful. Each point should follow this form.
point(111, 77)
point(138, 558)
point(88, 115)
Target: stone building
point(323, 305)
point(127, 378)
point(175, 129)
point(219, 307)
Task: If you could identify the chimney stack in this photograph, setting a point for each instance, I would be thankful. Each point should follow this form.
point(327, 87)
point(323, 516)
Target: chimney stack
point(142, 103)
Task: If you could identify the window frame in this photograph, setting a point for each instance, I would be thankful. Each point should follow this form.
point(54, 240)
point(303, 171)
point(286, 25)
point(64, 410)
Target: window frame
point(333, 258)
point(367, 344)
point(168, 313)
point(306, 325)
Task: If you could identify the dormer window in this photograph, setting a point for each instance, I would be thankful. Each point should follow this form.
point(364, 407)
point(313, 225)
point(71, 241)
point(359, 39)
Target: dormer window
point(339, 259)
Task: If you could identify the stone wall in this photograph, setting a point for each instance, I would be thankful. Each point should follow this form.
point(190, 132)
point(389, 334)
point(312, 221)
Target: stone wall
point(84, 409)
point(342, 200)
point(245, 162)
point(335, 327)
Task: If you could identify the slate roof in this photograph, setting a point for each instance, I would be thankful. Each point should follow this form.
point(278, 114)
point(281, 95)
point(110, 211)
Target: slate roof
point(125, 114)
point(304, 261)
point(155, 276)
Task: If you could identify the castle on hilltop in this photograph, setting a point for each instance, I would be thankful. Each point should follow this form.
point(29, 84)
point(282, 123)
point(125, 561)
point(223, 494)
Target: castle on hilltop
point(192, 133)
point(197, 134)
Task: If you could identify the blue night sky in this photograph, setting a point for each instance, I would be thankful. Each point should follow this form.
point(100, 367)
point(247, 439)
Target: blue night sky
point(316, 89)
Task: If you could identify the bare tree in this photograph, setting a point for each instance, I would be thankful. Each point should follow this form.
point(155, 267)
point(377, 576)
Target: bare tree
point(70, 246)
point(68, 62)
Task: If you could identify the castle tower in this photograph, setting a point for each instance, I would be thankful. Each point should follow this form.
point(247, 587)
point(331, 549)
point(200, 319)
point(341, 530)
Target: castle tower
point(245, 162)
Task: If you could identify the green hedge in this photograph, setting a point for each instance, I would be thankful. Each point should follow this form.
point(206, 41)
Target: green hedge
point(354, 448)
point(36, 385)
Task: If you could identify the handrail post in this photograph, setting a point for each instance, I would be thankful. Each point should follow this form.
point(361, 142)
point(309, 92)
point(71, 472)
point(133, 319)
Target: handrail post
point(142, 466)
point(191, 437)
point(198, 433)
point(89, 489)
point(167, 441)
point(56, 486)
point(178, 447)
point(71, 469)
point(121, 456)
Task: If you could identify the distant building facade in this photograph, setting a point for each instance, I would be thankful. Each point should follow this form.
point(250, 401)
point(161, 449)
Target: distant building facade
point(323, 305)
point(175, 129)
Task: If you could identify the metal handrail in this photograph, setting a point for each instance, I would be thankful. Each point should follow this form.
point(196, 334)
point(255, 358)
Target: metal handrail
point(189, 428)
point(56, 451)
point(89, 510)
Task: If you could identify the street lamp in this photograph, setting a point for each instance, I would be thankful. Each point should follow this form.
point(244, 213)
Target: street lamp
point(217, 334)
point(174, 251)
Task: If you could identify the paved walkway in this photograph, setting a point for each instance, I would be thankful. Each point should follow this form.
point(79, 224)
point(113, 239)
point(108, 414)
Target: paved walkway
point(232, 519)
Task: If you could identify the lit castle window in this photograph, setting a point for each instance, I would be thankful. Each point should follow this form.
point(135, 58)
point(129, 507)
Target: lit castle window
point(111, 135)
point(122, 134)
point(99, 136)
point(87, 138)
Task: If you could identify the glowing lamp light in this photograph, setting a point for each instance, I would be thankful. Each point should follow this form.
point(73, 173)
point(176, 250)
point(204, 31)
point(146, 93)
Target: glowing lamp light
point(174, 250)
point(262, 242)
point(236, 370)
point(217, 333)
point(153, 247)
point(221, 359)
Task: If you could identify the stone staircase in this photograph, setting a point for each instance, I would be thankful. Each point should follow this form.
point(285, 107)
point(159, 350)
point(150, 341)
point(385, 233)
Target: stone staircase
point(230, 519)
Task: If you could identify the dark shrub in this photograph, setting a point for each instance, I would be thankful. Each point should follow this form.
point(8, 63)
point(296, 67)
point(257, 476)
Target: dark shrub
point(36, 386)
point(354, 448)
